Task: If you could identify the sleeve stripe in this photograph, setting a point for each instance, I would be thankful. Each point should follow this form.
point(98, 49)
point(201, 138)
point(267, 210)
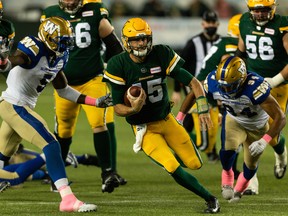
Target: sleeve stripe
point(114, 79)
point(230, 48)
point(172, 64)
point(283, 29)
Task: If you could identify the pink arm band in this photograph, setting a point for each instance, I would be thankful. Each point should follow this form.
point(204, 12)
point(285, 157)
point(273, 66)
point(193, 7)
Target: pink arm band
point(90, 101)
point(267, 138)
point(180, 116)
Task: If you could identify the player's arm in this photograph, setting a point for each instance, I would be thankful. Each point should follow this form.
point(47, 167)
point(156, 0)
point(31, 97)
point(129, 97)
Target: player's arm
point(283, 75)
point(272, 108)
point(19, 58)
point(60, 83)
point(108, 36)
point(241, 50)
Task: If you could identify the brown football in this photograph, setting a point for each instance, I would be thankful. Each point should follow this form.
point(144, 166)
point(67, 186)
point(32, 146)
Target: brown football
point(134, 91)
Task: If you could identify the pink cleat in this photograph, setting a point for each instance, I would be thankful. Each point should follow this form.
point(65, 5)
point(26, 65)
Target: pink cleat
point(71, 204)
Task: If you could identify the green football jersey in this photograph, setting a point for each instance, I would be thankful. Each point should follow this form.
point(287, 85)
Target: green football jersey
point(151, 75)
point(85, 61)
point(264, 45)
point(7, 29)
point(226, 45)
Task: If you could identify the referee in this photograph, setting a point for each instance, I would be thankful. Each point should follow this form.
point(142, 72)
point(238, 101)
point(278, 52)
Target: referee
point(193, 53)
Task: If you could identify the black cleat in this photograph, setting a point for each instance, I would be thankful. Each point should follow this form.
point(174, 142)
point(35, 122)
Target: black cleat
point(120, 179)
point(4, 185)
point(213, 206)
point(90, 160)
point(109, 181)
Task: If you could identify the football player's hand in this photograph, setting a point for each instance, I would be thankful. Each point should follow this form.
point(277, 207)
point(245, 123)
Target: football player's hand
point(3, 58)
point(256, 148)
point(139, 102)
point(104, 101)
point(205, 121)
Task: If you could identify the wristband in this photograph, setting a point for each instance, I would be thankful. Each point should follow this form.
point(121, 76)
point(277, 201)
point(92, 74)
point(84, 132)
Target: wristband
point(202, 105)
point(90, 101)
point(267, 138)
point(180, 116)
point(278, 79)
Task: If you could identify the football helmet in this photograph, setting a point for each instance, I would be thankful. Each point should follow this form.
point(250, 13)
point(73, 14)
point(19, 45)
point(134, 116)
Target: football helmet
point(233, 26)
point(70, 6)
point(57, 34)
point(231, 74)
point(1, 9)
point(137, 29)
point(261, 11)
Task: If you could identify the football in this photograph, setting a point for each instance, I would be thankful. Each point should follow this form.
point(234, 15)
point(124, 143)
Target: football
point(134, 92)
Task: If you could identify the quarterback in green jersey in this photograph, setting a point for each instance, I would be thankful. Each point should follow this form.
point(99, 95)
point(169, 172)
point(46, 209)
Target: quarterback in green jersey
point(157, 130)
point(84, 71)
point(264, 43)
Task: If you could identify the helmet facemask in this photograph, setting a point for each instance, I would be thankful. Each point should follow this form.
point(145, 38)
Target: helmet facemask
point(72, 7)
point(262, 15)
point(140, 51)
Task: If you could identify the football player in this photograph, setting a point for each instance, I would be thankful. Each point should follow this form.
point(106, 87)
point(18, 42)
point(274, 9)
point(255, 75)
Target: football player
point(157, 131)
point(42, 60)
point(84, 73)
point(248, 104)
point(263, 43)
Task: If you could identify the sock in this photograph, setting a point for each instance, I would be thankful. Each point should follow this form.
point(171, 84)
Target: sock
point(248, 173)
point(227, 177)
point(113, 147)
point(241, 184)
point(102, 147)
point(279, 148)
point(189, 182)
point(54, 162)
point(64, 144)
point(234, 166)
point(227, 158)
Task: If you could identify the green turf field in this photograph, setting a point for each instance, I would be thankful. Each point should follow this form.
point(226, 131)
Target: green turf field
point(150, 191)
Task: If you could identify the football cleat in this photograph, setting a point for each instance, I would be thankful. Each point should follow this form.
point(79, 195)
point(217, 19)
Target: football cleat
point(227, 192)
point(4, 185)
point(76, 206)
point(90, 160)
point(120, 179)
point(236, 198)
point(109, 181)
point(280, 164)
point(253, 187)
point(212, 206)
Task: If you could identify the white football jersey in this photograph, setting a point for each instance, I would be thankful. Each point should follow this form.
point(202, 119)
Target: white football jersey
point(245, 108)
point(26, 82)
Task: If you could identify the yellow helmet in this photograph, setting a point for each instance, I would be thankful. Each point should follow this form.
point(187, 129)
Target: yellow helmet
point(262, 10)
point(135, 29)
point(57, 34)
point(233, 26)
point(231, 74)
point(1, 9)
point(72, 7)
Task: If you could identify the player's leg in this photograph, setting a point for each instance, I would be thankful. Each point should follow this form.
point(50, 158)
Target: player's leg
point(32, 127)
point(66, 114)
point(230, 140)
point(280, 93)
point(156, 144)
point(97, 118)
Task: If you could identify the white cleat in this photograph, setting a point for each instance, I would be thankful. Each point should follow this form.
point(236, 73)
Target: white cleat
point(280, 164)
point(253, 187)
point(87, 208)
point(227, 192)
point(236, 197)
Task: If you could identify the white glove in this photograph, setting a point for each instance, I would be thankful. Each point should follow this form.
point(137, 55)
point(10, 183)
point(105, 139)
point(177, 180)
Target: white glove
point(256, 148)
point(104, 101)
